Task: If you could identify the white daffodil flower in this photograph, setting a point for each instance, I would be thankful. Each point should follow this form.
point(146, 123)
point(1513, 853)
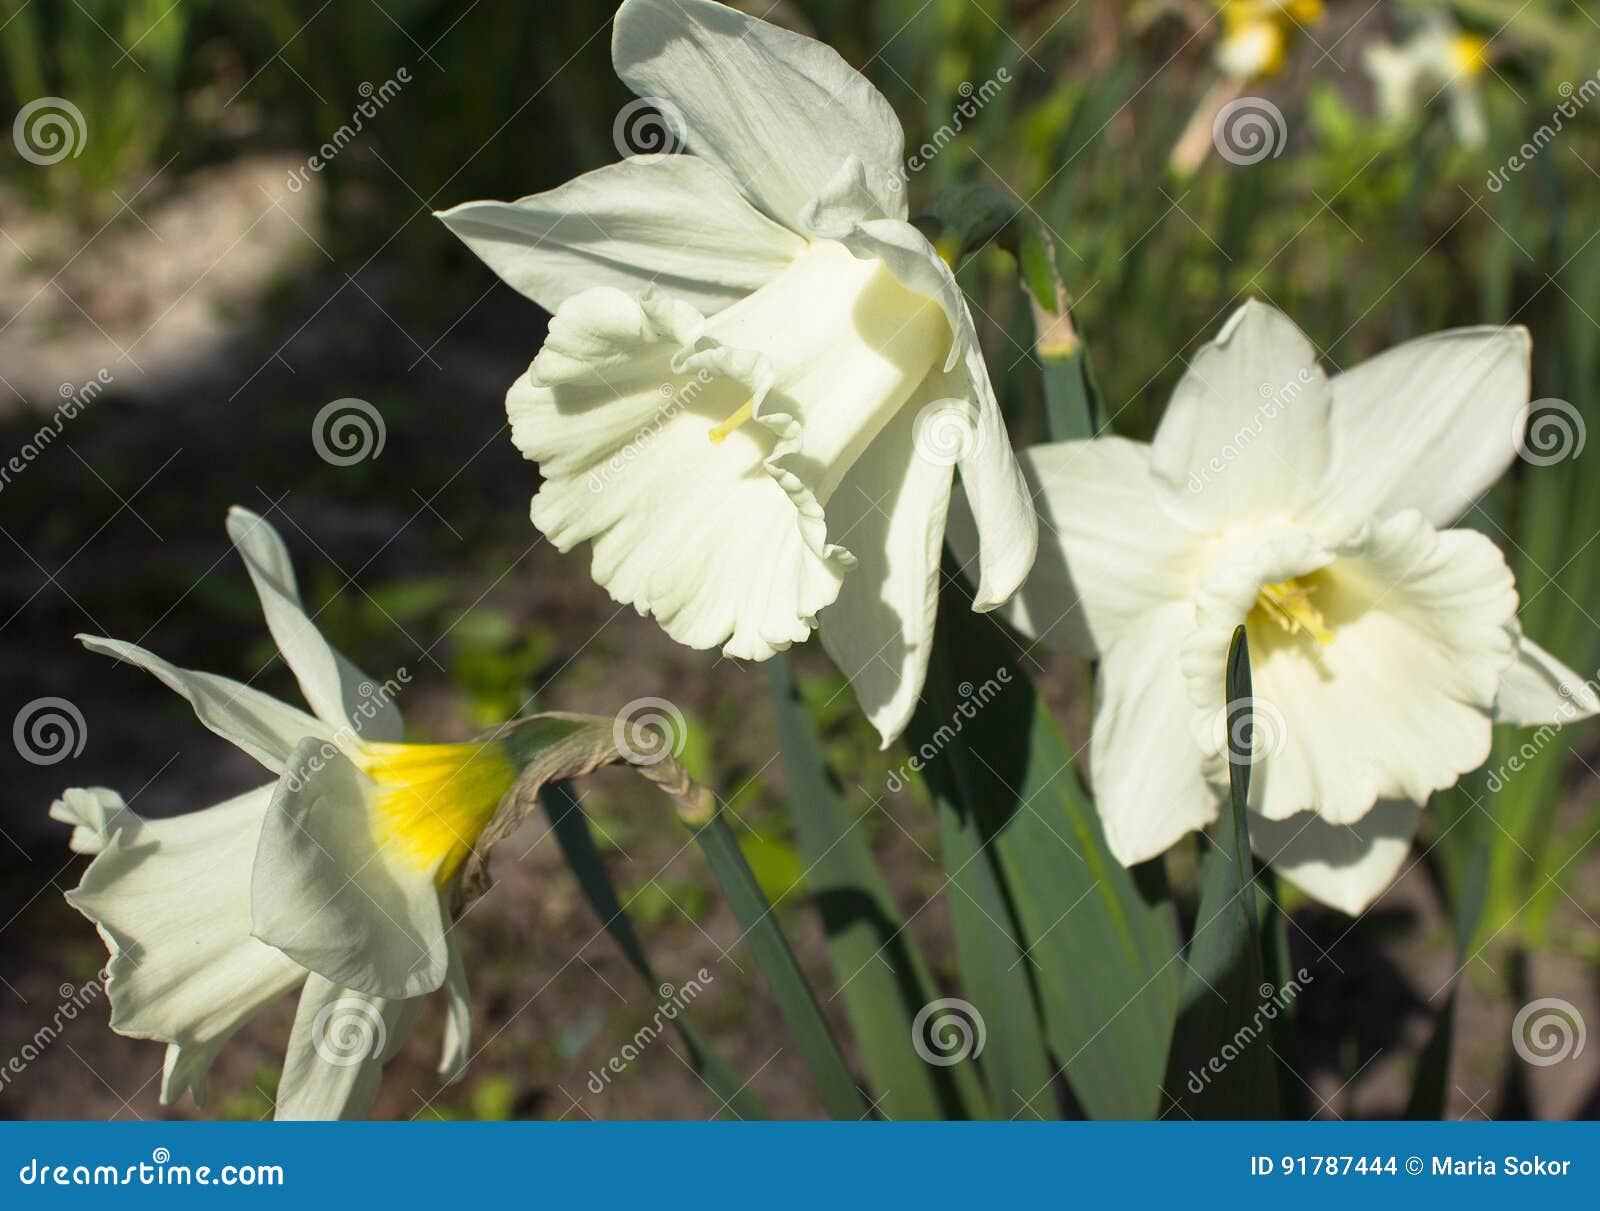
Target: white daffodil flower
point(1438, 58)
point(759, 376)
point(211, 916)
point(1313, 510)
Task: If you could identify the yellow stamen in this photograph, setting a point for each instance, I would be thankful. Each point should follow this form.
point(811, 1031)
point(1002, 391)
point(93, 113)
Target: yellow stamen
point(719, 434)
point(435, 799)
point(1288, 603)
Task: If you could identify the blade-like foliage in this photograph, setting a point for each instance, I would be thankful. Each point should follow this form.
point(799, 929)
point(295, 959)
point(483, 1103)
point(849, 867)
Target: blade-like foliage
point(1221, 1066)
point(882, 979)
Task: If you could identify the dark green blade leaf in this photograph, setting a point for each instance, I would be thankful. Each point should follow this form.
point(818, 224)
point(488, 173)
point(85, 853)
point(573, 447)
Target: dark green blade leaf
point(1069, 393)
point(571, 828)
point(882, 978)
point(1099, 956)
point(1431, 1089)
point(1221, 1066)
point(810, 1030)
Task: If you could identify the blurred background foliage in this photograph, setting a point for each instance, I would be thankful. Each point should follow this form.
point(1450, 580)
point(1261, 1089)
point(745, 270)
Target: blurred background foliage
point(1367, 228)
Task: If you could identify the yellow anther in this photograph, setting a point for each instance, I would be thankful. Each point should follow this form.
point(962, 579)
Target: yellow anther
point(720, 433)
point(1288, 603)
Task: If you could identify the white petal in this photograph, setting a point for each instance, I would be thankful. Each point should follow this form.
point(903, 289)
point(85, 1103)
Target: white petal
point(172, 901)
point(672, 222)
point(92, 812)
point(1398, 704)
point(1427, 425)
point(1110, 552)
point(337, 1049)
point(890, 511)
point(723, 543)
point(1245, 438)
point(258, 723)
point(1146, 768)
point(458, 1021)
point(1538, 689)
point(780, 113)
point(1345, 865)
point(991, 480)
point(341, 694)
point(331, 895)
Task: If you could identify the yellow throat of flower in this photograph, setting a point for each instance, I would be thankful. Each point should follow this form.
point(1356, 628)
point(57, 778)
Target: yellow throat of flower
point(435, 799)
point(1288, 603)
point(1469, 55)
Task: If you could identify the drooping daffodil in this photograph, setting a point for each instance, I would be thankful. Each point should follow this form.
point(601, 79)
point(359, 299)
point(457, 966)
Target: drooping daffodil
point(759, 377)
point(1314, 510)
point(1439, 58)
point(342, 877)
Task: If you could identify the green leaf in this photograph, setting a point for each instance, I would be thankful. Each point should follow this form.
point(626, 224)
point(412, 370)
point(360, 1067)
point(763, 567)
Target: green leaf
point(1221, 1065)
point(882, 979)
point(810, 1030)
point(968, 217)
point(1045, 916)
point(1431, 1089)
point(571, 828)
point(1069, 391)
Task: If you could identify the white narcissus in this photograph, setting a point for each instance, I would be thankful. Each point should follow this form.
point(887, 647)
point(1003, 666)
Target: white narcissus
point(751, 390)
point(334, 879)
point(1439, 58)
point(1312, 510)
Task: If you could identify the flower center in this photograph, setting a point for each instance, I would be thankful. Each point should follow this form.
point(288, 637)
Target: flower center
point(1468, 53)
point(435, 799)
point(1288, 603)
